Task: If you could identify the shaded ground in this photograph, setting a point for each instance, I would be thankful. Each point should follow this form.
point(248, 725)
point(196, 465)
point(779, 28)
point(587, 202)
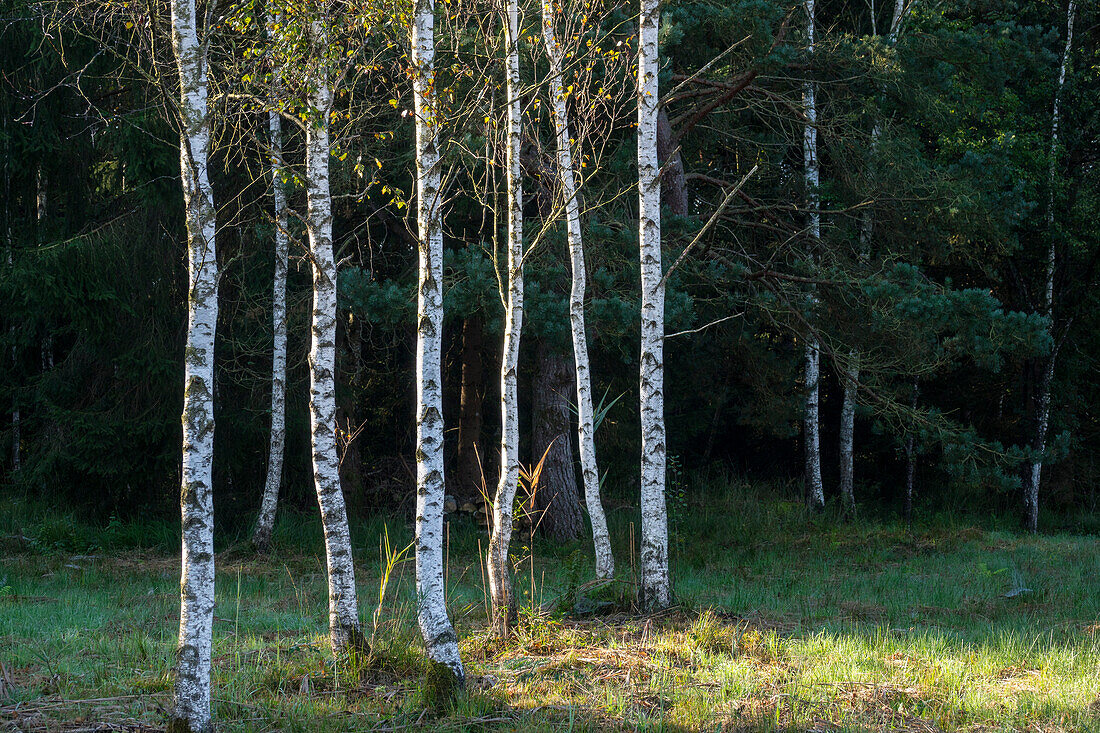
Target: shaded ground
point(786, 622)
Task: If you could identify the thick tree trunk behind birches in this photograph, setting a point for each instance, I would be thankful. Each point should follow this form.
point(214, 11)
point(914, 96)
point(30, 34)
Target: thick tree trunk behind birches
point(911, 460)
point(469, 471)
point(344, 628)
point(501, 591)
point(557, 497)
point(811, 428)
point(674, 193)
point(586, 430)
point(431, 607)
point(655, 591)
point(191, 703)
point(1033, 471)
point(261, 537)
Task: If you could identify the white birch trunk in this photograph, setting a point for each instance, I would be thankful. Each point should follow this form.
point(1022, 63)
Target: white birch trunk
point(435, 624)
point(605, 560)
point(851, 381)
point(1033, 473)
point(191, 698)
point(655, 591)
point(847, 434)
point(261, 537)
point(811, 433)
point(344, 627)
point(500, 580)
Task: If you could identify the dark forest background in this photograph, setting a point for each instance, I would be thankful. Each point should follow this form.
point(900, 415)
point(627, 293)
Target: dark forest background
point(92, 293)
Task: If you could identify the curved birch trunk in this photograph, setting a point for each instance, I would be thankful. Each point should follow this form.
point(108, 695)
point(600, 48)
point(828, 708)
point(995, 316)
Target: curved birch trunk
point(344, 628)
point(191, 694)
point(655, 591)
point(586, 431)
point(811, 429)
point(1033, 471)
point(261, 537)
point(501, 592)
point(435, 625)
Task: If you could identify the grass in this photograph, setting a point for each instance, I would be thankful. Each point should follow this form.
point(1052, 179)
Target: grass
point(786, 621)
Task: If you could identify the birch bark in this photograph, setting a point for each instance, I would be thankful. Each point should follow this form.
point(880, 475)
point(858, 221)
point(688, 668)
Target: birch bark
point(261, 537)
point(344, 628)
point(851, 379)
point(501, 592)
point(655, 592)
point(586, 431)
point(191, 693)
point(1033, 471)
point(435, 625)
point(811, 434)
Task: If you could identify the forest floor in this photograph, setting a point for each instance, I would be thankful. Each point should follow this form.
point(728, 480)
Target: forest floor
point(785, 621)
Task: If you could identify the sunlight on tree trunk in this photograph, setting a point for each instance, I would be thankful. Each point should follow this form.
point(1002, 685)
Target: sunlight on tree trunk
point(1033, 471)
point(261, 537)
point(344, 627)
point(655, 592)
point(811, 432)
point(586, 430)
point(191, 703)
point(435, 625)
point(501, 591)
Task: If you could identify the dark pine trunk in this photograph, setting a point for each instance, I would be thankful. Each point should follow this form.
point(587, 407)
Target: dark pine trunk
point(557, 497)
point(471, 452)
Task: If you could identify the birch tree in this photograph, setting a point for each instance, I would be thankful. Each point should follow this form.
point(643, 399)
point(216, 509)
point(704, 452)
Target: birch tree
point(851, 376)
point(191, 694)
point(655, 592)
point(435, 625)
point(261, 537)
point(344, 627)
point(501, 592)
point(1034, 469)
point(811, 437)
point(586, 431)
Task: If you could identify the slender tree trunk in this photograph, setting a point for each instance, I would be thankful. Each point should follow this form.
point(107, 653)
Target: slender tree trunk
point(261, 537)
point(655, 592)
point(469, 470)
point(501, 591)
point(344, 628)
point(847, 434)
point(811, 433)
point(191, 703)
point(1033, 471)
point(586, 430)
point(16, 415)
point(911, 460)
point(435, 624)
point(557, 497)
point(851, 381)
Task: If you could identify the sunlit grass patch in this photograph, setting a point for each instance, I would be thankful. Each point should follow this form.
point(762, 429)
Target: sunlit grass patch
point(787, 621)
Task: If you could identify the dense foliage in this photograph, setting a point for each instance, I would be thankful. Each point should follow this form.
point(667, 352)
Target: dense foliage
point(943, 139)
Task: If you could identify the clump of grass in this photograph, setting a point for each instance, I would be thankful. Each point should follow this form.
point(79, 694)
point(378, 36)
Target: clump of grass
point(439, 688)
